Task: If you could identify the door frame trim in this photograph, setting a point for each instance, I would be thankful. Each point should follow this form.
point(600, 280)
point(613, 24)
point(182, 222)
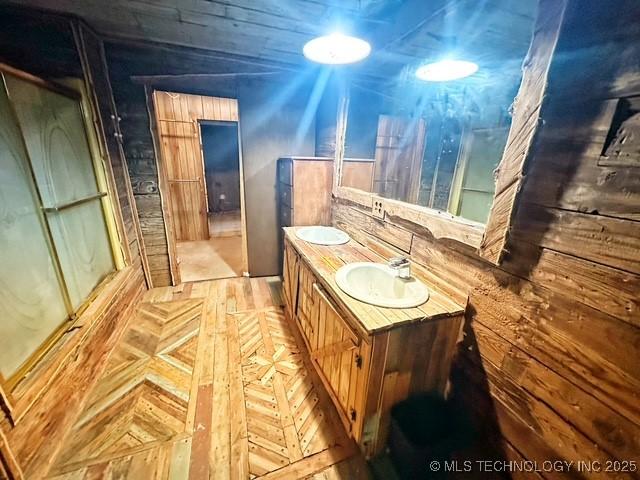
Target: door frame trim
point(165, 192)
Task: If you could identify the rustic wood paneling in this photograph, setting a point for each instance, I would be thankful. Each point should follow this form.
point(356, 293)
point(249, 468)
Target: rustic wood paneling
point(357, 174)
point(549, 363)
point(177, 116)
point(398, 163)
point(36, 438)
point(524, 128)
point(271, 109)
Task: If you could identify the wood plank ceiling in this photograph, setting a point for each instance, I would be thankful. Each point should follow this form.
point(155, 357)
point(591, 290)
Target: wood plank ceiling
point(403, 32)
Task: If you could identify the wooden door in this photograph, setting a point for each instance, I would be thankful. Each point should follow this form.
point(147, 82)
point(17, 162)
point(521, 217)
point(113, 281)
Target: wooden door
point(182, 156)
point(399, 154)
point(340, 356)
point(290, 279)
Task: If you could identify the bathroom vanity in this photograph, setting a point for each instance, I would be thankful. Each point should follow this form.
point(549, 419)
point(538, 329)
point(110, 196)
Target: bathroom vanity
point(368, 357)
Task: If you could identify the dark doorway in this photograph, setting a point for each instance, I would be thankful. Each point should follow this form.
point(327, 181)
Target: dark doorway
point(221, 165)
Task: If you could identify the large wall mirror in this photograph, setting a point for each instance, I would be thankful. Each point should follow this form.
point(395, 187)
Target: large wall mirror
point(433, 145)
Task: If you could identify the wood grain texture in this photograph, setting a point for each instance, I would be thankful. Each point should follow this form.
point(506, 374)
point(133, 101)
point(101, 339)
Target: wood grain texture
point(438, 223)
point(58, 391)
point(311, 198)
point(366, 372)
point(274, 34)
point(177, 116)
point(325, 261)
point(357, 174)
point(528, 111)
point(548, 366)
point(143, 396)
point(208, 381)
point(399, 154)
point(304, 190)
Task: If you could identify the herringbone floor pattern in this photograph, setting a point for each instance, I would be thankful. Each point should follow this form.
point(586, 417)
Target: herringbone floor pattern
point(284, 419)
point(144, 393)
point(209, 380)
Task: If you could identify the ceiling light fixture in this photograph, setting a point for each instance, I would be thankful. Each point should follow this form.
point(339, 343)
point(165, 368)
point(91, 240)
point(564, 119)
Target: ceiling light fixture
point(446, 70)
point(336, 49)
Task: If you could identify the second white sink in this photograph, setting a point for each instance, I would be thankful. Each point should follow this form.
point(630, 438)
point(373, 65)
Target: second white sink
point(322, 235)
point(377, 284)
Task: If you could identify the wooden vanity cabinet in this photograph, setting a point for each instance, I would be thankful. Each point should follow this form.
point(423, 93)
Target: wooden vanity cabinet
point(335, 348)
point(304, 190)
point(365, 373)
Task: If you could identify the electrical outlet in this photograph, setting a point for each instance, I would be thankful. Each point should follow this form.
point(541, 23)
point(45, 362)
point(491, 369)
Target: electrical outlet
point(378, 208)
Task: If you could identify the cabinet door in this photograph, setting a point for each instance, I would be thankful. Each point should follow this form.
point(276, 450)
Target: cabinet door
point(340, 356)
point(312, 182)
point(290, 269)
point(307, 311)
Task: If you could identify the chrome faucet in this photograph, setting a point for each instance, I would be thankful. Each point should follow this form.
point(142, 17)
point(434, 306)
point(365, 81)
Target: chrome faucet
point(402, 267)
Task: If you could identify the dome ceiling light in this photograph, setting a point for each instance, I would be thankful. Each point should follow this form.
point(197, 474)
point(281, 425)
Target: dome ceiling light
point(336, 49)
point(446, 70)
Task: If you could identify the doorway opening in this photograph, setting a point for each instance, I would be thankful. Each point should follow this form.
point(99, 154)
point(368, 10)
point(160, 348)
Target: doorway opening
point(221, 255)
point(201, 164)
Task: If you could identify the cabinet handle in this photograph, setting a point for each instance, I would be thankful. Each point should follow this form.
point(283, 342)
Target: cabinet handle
point(352, 414)
point(358, 360)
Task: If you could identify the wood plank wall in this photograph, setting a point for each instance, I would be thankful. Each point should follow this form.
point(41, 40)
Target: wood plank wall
point(92, 51)
point(35, 439)
point(53, 46)
point(177, 120)
point(45, 45)
point(549, 365)
point(127, 60)
point(271, 107)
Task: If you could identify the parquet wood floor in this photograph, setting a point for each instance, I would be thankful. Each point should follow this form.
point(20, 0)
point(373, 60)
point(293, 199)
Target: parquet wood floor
point(210, 380)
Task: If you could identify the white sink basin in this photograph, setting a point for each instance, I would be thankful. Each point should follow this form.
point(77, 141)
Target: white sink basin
point(377, 284)
point(322, 235)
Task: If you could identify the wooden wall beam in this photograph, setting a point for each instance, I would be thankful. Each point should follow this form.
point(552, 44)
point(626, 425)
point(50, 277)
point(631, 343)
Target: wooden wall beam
point(91, 51)
point(525, 125)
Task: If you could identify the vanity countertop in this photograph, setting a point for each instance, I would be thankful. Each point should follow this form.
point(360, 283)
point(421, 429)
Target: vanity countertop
point(324, 261)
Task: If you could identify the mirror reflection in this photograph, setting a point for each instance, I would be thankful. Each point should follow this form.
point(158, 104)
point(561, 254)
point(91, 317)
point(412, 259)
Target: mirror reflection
point(434, 144)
